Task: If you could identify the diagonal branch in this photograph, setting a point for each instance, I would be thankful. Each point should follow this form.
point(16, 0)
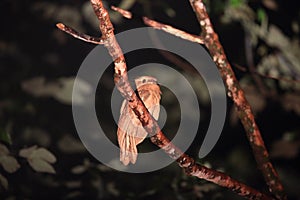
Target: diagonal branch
point(211, 41)
point(123, 12)
point(173, 31)
point(150, 125)
point(79, 35)
point(237, 95)
point(161, 26)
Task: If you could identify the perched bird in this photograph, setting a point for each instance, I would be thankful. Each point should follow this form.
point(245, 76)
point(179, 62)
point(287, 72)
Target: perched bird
point(130, 130)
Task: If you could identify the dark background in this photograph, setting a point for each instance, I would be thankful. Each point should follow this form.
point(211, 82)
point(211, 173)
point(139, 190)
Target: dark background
point(31, 46)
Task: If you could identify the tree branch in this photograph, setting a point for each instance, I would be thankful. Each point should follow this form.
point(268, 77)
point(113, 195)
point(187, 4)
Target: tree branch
point(79, 35)
point(123, 12)
point(211, 41)
point(161, 26)
point(173, 31)
point(237, 95)
point(150, 125)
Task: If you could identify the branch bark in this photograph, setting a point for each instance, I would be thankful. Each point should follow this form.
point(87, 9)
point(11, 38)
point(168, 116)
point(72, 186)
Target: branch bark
point(237, 95)
point(79, 35)
point(150, 125)
point(210, 39)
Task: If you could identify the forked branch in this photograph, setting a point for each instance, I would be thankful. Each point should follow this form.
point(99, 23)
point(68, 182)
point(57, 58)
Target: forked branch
point(150, 125)
point(210, 39)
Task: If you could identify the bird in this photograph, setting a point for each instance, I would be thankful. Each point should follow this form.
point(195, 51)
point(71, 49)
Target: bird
point(130, 130)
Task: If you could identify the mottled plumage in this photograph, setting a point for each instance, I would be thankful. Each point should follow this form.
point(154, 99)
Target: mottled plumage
point(130, 130)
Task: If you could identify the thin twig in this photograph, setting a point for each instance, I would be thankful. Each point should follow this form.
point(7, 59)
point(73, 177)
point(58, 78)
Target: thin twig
point(123, 12)
point(79, 35)
point(167, 28)
point(161, 26)
point(237, 95)
point(173, 31)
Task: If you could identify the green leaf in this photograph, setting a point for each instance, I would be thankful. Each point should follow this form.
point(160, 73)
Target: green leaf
point(3, 182)
point(60, 89)
point(236, 3)
point(5, 137)
point(9, 163)
point(261, 15)
point(79, 169)
point(26, 152)
point(69, 144)
point(39, 159)
point(44, 154)
point(3, 150)
point(40, 165)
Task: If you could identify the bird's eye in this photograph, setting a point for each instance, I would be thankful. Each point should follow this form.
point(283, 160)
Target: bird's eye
point(144, 80)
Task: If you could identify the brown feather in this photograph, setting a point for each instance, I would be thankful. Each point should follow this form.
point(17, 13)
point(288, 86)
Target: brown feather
point(130, 130)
